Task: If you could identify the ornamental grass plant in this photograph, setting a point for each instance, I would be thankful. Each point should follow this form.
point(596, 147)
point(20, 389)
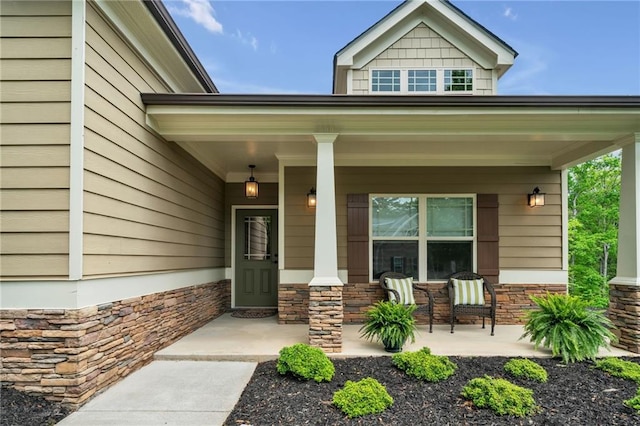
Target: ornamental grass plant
point(568, 326)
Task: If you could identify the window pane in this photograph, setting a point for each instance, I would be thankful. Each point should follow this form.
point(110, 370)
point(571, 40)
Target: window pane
point(257, 245)
point(385, 80)
point(396, 256)
point(458, 80)
point(394, 216)
point(422, 80)
point(446, 257)
point(450, 217)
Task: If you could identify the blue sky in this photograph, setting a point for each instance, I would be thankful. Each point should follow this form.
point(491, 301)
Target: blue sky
point(565, 47)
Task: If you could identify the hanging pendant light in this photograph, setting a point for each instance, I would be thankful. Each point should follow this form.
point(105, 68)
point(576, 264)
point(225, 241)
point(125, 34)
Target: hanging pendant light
point(251, 185)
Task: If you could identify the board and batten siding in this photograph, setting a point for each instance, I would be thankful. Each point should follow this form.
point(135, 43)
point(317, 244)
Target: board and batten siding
point(35, 76)
point(423, 48)
point(530, 239)
point(148, 205)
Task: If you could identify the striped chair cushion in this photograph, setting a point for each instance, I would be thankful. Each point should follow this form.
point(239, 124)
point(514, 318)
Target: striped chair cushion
point(404, 286)
point(468, 292)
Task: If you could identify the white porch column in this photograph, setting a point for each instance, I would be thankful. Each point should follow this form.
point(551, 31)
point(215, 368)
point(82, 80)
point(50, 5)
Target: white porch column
point(624, 289)
point(325, 289)
point(325, 266)
point(628, 271)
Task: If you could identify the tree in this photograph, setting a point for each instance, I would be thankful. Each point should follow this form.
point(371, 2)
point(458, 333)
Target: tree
point(594, 201)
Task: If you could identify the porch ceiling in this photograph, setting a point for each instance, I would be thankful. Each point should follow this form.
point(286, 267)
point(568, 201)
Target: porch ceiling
point(228, 132)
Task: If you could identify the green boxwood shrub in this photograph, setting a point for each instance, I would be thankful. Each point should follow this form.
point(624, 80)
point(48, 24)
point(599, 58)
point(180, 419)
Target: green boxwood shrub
point(305, 362)
point(620, 368)
point(361, 398)
point(525, 368)
point(501, 396)
point(424, 366)
point(568, 326)
point(634, 403)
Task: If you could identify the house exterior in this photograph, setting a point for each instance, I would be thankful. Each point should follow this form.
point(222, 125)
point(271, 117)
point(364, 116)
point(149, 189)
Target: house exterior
point(125, 224)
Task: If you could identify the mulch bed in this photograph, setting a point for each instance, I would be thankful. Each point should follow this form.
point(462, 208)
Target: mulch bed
point(20, 409)
point(574, 395)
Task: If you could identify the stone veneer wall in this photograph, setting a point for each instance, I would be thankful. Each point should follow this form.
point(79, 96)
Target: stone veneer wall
point(326, 317)
point(512, 302)
point(624, 312)
point(68, 355)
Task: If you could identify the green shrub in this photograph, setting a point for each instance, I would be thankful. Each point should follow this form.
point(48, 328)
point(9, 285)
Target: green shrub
point(620, 368)
point(527, 369)
point(367, 396)
point(501, 396)
point(424, 366)
point(390, 323)
point(567, 326)
point(634, 402)
point(305, 362)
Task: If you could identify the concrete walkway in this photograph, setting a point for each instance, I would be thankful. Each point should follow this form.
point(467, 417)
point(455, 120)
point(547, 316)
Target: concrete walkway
point(173, 393)
point(199, 379)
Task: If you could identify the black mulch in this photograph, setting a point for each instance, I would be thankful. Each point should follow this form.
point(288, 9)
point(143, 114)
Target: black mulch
point(20, 409)
point(574, 395)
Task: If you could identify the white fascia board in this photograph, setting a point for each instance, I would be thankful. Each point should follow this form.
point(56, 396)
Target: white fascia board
point(143, 33)
point(345, 57)
point(468, 38)
point(82, 293)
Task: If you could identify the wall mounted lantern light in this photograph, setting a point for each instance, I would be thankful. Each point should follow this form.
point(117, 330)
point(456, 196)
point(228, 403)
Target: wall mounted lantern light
point(251, 185)
point(311, 198)
point(536, 198)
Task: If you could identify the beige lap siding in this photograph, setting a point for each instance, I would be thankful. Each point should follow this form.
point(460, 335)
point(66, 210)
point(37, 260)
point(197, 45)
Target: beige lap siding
point(70, 355)
point(149, 206)
point(529, 239)
point(35, 64)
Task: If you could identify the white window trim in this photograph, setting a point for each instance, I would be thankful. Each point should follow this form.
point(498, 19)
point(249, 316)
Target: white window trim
point(404, 80)
point(422, 234)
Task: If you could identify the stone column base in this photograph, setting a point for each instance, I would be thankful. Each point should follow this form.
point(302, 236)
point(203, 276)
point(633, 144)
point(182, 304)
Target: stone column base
point(325, 317)
point(624, 312)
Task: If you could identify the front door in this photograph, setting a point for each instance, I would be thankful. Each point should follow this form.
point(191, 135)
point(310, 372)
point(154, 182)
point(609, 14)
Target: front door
point(256, 280)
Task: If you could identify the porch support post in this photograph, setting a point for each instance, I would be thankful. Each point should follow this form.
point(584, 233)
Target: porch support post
point(624, 290)
point(325, 289)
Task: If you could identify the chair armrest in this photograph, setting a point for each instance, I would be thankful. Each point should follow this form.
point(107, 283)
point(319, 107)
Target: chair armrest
point(492, 293)
point(387, 289)
point(425, 290)
point(429, 296)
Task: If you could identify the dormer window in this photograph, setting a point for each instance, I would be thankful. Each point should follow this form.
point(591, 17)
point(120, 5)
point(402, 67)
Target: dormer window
point(422, 80)
point(385, 80)
point(458, 80)
point(435, 81)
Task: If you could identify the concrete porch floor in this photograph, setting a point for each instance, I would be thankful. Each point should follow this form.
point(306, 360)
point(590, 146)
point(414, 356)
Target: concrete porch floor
point(241, 339)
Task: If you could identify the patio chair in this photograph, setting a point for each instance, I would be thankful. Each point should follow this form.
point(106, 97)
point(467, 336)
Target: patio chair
point(466, 295)
point(399, 288)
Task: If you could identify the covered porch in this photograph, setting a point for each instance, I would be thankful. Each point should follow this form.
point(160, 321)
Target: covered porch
point(343, 145)
point(260, 339)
